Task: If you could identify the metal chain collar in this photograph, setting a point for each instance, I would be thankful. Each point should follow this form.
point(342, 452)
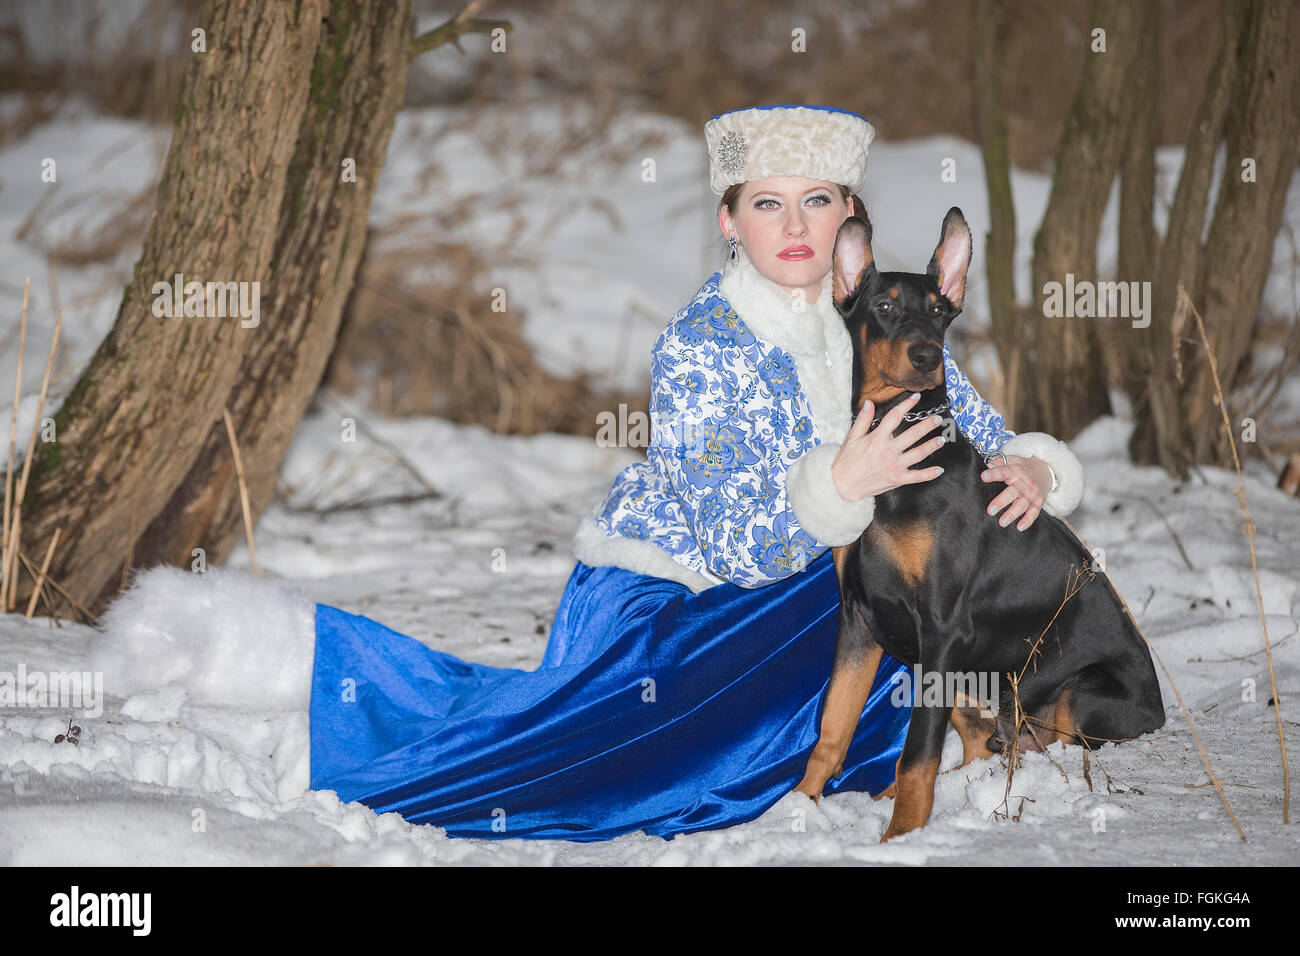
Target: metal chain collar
point(914, 416)
point(917, 416)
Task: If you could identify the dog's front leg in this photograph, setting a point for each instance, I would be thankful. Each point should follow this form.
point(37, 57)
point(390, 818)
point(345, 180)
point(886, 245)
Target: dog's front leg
point(857, 658)
point(918, 765)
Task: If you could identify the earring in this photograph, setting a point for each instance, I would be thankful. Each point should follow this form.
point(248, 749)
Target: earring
point(732, 242)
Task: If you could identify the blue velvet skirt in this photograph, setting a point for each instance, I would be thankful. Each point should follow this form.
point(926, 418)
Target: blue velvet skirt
point(653, 709)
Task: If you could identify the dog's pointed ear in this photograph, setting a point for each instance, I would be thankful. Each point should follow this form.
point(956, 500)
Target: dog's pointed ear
point(951, 258)
point(852, 258)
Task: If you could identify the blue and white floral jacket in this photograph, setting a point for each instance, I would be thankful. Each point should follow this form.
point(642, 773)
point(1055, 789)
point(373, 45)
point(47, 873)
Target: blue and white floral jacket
point(747, 415)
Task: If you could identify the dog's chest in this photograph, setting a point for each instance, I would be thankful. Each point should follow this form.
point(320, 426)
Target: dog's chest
point(903, 543)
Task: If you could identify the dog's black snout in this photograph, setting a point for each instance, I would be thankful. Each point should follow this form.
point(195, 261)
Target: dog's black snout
point(925, 358)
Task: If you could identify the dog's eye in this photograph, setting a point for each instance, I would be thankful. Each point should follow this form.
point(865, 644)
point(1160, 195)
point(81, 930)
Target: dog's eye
point(884, 306)
point(937, 310)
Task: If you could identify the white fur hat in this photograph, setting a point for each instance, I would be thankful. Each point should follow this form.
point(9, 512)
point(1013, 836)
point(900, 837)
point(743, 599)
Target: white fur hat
point(816, 142)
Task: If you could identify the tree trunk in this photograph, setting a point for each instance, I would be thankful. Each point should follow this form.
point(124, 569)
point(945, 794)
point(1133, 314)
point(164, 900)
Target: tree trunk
point(358, 81)
point(1069, 387)
point(1000, 245)
point(1263, 126)
point(1137, 231)
point(250, 192)
point(1159, 436)
point(1122, 343)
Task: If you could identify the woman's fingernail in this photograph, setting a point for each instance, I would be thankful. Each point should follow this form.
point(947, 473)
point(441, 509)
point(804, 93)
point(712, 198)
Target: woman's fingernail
point(916, 395)
point(940, 467)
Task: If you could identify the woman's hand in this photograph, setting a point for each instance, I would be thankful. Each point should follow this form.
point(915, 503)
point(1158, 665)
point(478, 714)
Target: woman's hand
point(1028, 482)
point(871, 463)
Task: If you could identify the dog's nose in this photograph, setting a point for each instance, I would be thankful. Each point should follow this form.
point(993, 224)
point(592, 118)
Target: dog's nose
point(925, 358)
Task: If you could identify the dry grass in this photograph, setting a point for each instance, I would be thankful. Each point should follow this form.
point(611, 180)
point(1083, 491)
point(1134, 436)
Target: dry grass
point(121, 233)
point(10, 550)
point(1025, 722)
point(905, 65)
point(419, 346)
point(422, 346)
point(122, 68)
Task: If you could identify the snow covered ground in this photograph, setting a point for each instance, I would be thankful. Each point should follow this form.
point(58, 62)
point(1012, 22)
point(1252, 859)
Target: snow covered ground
point(198, 752)
point(195, 771)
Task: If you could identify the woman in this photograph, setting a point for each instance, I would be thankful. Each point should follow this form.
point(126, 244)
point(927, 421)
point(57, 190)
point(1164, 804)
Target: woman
point(681, 684)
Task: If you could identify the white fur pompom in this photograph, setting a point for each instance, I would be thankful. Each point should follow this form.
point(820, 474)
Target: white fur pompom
point(229, 637)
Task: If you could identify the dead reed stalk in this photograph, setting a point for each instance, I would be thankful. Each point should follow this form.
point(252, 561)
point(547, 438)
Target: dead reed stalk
point(5, 558)
point(11, 582)
point(243, 488)
point(1074, 582)
point(40, 578)
point(1185, 305)
point(1187, 714)
point(33, 571)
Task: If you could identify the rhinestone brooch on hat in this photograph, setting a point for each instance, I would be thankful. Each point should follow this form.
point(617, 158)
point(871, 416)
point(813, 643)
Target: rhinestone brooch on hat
point(731, 152)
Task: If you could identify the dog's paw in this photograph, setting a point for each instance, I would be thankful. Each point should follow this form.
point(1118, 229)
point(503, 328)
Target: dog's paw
point(891, 833)
point(809, 790)
point(898, 828)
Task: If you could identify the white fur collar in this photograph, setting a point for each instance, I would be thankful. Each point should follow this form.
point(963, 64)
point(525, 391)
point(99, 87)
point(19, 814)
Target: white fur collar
point(813, 337)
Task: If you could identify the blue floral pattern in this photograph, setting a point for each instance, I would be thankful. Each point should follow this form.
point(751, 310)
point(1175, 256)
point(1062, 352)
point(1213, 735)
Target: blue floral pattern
point(779, 374)
point(978, 420)
point(728, 419)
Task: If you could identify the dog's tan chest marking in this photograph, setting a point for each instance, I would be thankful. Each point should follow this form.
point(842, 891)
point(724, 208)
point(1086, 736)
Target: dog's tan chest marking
point(908, 545)
point(840, 555)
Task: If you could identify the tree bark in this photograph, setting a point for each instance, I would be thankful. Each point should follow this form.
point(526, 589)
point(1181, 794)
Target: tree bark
point(1069, 386)
point(250, 192)
point(1137, 233)
point(1000, 244)
point(358, 81)
point(1263, 126)
point(1123, 345)
point(1159, 436)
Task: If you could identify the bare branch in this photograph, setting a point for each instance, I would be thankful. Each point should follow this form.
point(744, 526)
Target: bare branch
point(449, 32)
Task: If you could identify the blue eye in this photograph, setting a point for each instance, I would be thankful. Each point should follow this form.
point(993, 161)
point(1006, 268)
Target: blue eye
point(825, 200)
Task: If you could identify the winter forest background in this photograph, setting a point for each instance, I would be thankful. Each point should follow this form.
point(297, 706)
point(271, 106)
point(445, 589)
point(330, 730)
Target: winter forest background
point(423, 408)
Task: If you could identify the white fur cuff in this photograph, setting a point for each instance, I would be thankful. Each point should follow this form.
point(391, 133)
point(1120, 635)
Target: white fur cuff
point(596, 549)
point(831, 519)
point(1057, 454)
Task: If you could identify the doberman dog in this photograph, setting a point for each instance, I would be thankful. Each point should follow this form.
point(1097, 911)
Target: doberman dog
point(934, 581)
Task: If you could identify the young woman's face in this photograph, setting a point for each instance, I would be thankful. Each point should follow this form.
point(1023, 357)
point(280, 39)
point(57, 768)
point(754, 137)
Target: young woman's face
point(787, 225)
